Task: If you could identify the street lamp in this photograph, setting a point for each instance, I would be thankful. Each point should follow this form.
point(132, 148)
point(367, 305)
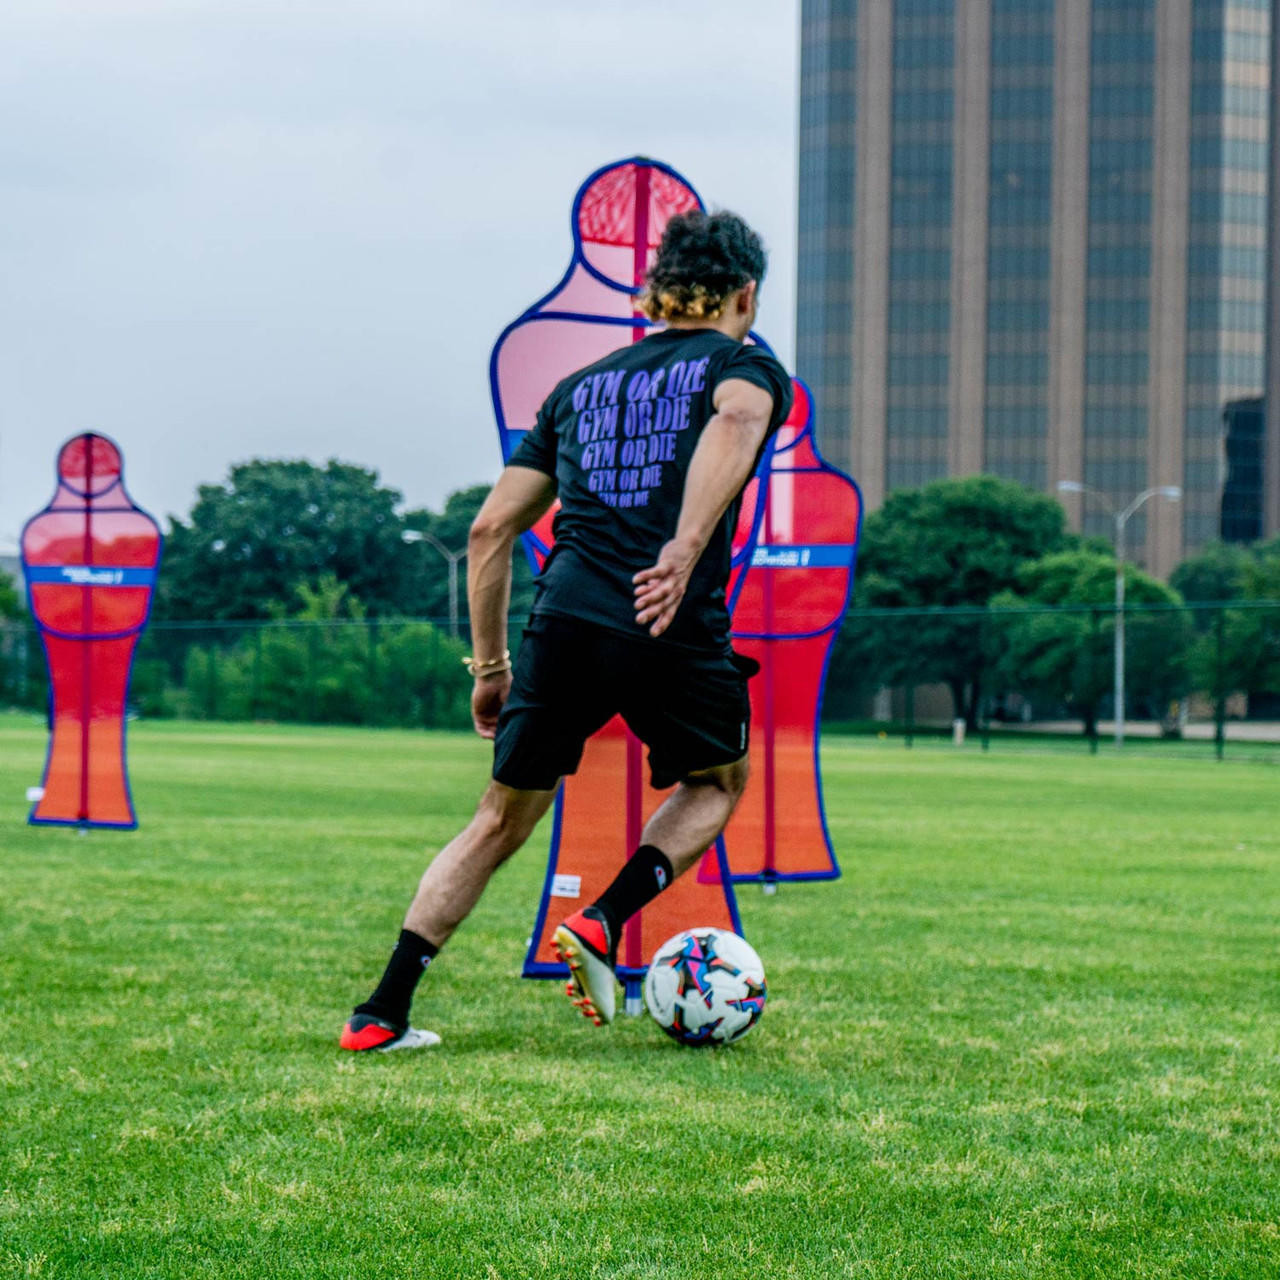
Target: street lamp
point(1121, 518)
point(454, 558)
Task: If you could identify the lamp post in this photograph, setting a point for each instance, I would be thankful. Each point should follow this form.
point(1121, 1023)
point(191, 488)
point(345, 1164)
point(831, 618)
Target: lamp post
point(453, 558)
point(1120, 519)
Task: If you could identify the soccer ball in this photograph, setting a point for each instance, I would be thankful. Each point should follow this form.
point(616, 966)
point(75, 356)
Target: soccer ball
point(705, 986)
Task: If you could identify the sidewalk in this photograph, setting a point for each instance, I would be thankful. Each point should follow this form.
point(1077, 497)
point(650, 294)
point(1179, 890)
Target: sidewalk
point(1195, 731)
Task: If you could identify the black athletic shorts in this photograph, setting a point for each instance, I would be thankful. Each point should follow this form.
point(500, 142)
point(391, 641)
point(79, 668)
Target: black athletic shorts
point(689, 708)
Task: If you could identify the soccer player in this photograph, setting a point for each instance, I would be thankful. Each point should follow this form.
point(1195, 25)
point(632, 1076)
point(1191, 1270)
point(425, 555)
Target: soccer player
point(648, 451)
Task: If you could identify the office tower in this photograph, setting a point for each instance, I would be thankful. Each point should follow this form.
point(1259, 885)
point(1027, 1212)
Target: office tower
point(1032, 243)
point(1242, 491)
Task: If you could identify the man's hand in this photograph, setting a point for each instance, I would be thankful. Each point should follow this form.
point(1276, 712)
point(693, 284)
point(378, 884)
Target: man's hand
point(487, 700)
point(722, 463)
point(661, 588)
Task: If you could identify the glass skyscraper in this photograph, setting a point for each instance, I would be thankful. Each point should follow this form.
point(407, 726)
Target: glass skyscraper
point(1032, 243)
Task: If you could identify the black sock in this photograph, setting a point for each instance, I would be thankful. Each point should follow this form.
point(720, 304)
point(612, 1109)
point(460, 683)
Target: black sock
point(394, 994)
point(645, 876)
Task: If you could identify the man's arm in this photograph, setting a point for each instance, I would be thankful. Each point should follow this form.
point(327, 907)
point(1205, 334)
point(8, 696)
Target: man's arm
point(721, 464)
point(514, 504)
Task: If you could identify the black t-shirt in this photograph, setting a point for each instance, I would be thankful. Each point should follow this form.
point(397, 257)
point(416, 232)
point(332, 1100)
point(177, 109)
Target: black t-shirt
point(618, 437)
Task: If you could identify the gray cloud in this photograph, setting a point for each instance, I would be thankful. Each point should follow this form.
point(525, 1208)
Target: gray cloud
point(231, 229)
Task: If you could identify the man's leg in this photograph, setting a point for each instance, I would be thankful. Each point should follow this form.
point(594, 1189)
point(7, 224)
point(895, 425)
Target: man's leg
point(456, 878)
point(695, 813)
point(674, 839)
point(449, 888)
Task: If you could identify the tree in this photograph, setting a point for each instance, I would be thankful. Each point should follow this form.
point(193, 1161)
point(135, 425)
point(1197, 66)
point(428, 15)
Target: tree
point(275, 526)
point(952, 543)
point(1239, 651)
point(1217, 573)
point(13, 644)
point(1254, 635)
point(10, 602)
point(1066, 657)
point(324, 662)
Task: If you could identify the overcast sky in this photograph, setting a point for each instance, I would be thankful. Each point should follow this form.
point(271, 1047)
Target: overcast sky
point(237, 228)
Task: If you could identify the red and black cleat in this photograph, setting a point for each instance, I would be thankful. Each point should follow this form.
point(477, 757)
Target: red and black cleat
point(582, 942)
point(365, 1033)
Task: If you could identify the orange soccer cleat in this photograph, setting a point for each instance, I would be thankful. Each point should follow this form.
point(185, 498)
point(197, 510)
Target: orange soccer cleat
point(583, 943)
point(364, 1033)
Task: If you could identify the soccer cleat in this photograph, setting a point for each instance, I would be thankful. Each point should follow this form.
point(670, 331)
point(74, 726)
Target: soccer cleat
point(364, 1033)
point(582, 942)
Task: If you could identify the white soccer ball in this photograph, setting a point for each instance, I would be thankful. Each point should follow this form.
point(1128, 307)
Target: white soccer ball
point(705, 986)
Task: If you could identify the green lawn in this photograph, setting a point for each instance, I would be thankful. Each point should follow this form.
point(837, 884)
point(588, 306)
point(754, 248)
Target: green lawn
point(1034, 1032)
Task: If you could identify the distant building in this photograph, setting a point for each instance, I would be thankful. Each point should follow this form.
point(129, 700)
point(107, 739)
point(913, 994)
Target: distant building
point(1032, 242)
point(1243, 493)
point(1271, 443)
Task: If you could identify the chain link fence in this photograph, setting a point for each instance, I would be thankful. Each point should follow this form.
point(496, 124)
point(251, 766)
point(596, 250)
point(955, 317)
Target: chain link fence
point(1206, 677)
point(405, 673)
point(1192, 674)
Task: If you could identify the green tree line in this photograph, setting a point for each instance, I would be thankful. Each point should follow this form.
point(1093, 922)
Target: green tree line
point(327, 562)
point(327, 663)
point(273, 528)
point(286, 593)
point(290, 592)
point(1036, 613)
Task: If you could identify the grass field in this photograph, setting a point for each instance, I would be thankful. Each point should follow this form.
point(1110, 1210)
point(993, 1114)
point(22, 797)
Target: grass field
point(1034, 1032)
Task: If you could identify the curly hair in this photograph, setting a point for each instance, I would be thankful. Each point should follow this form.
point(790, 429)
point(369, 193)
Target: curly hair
point(702, 259)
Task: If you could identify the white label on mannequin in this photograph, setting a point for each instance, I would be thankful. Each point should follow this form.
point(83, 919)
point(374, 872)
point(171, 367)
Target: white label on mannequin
point(566, 886)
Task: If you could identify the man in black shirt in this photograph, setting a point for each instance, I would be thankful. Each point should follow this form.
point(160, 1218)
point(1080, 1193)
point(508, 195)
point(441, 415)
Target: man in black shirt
point(648, 451)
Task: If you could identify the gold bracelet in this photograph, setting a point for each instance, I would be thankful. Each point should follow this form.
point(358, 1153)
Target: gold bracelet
point(493, 667)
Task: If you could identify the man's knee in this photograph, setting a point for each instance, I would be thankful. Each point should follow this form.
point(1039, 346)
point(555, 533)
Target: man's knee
point(499, 830)
point(504, 820)
point(730, 779)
